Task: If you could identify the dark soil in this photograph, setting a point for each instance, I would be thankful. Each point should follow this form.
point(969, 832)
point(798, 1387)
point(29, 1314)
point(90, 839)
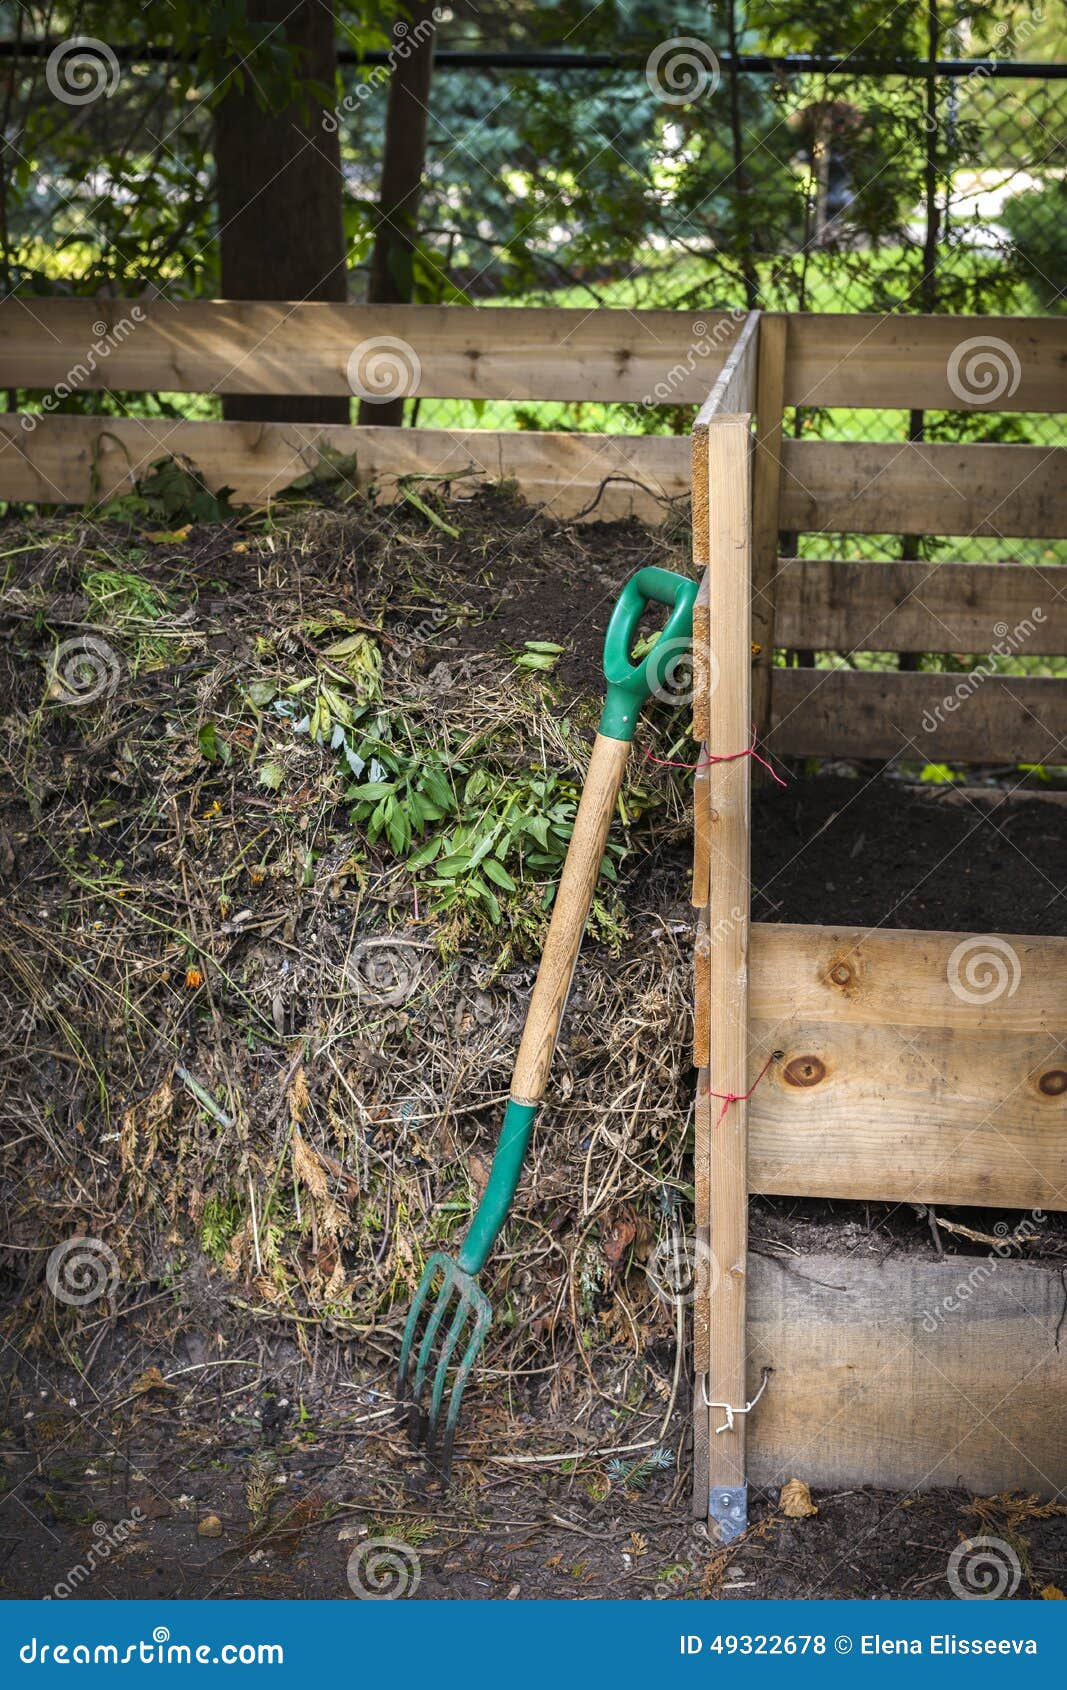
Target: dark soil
point(863, 851)
point(209, 1387)
point(549, 581)
point(172, 1464)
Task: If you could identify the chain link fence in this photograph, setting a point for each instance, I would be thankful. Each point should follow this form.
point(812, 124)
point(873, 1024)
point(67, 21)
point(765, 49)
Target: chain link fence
point(846, 193)
point(682, 179)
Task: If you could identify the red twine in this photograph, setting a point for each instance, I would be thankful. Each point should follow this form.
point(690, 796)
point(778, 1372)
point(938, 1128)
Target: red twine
point(729, 1097)
point(732, 757)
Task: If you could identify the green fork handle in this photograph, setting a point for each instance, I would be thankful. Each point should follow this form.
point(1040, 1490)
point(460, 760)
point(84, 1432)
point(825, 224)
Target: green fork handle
point(629, 685)
point(491, 1212)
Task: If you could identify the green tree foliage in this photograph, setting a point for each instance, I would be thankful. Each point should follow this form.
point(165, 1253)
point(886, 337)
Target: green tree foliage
point(1037, 222)
point(108, 182)
point(779, 188)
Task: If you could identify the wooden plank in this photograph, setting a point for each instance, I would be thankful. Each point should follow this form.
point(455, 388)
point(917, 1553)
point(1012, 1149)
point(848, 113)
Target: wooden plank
point(867, 487)
point(942, 1115)
point(867, 361)
point(701, 605)
point(70, 460)
point(701, 845)
point(734, 389)
point(993, 797)
point(908, 1374)
point(725, 414)
point(702, 991)
point(915, 1066)
point(472, 352)
point(925, 718)
point(825, 604)
point(700, 1305)
point(729, 728)
point(444, 351)
point(729, 404)
point(766, 494)
point(904, 977)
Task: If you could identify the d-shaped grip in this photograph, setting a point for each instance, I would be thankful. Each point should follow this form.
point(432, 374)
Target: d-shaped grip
point(630, 684)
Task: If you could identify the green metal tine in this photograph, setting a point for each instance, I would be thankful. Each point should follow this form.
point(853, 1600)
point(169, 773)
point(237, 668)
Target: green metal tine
point(444, 1298)
point(459, 1320)
point(434, 1262)
point(483, 1320)
point(472, 1300)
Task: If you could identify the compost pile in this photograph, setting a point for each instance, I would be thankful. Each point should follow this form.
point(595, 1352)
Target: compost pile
point(287, 803)
point(286, 799)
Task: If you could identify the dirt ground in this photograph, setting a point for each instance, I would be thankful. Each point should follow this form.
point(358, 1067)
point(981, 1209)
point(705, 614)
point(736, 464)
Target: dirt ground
point(183, 1464)
point(200, 1082)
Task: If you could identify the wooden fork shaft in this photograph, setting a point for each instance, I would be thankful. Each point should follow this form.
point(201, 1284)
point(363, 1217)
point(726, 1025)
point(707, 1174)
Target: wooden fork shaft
point(569, 914)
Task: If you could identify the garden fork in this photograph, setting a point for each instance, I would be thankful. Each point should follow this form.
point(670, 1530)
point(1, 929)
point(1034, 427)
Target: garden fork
point(461, 1310)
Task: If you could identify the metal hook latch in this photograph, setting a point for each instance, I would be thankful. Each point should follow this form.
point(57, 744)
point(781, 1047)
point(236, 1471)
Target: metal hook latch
point(728, 1408)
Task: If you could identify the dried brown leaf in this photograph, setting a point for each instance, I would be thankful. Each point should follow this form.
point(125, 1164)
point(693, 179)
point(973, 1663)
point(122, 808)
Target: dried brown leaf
point(795, 1501)
point(299, 1097)
point(151, 1380)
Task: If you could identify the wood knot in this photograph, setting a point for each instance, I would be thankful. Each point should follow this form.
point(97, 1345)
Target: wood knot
point(804, 1071)
point(841, 974)
point(1054, 1083)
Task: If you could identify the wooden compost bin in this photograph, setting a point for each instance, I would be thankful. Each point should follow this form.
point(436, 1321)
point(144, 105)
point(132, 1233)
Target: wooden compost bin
point(219, 347)
point(911, 1070)
point(891, 1086)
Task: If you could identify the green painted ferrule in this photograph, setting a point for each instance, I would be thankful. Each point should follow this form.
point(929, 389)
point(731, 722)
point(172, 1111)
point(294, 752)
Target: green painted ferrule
point(492, 1211)
point(630, 684)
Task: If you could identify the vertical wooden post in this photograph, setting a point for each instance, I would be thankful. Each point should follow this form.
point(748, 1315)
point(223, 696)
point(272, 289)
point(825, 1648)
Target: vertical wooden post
point(766, 488)
point(701, 982)
point(729, 731)
point(722, 545)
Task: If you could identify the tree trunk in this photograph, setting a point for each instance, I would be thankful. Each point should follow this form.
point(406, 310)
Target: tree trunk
point(910, 543)
point(281, 231)
point(739, 177)
point(392, 280)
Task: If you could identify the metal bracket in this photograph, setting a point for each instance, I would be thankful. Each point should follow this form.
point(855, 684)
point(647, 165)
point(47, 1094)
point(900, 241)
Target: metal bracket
point(728, 1507)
